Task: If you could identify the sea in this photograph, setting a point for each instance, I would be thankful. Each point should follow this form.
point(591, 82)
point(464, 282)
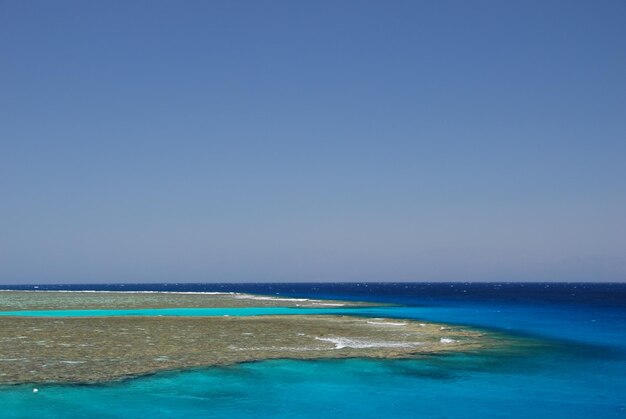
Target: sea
point(578, 370)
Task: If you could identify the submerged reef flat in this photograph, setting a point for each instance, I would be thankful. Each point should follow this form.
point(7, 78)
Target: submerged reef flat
point(85, 300)
point(104, 348)
point(97, 349)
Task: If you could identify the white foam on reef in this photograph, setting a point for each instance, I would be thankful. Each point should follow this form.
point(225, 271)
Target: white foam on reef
point(128, 292)
point(238, 295)
point(447, 340)
point(289, 299)
point(387, 323)
point(267, 298)
point(276, 348)
point(341, 343)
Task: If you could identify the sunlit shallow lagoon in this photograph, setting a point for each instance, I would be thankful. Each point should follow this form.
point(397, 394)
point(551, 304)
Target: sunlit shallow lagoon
point(580, 372)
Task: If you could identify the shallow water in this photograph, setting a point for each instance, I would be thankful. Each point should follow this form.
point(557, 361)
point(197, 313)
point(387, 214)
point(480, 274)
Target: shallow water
point(580, 372)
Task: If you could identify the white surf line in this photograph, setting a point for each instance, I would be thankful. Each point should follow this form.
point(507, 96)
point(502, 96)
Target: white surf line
point(387, 323)
point(239, 295)
point(268, 298)
point(277, 348)
point(341, 343)
point(245, 296)
point(129, 292)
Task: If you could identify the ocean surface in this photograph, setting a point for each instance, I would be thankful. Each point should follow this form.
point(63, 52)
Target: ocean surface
point(579, 371)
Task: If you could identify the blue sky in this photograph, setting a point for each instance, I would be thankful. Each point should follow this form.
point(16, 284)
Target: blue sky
point(312, 141)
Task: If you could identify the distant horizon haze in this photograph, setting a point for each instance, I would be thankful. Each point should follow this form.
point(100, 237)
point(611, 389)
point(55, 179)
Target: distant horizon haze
point(327, 141)
point(408, 282)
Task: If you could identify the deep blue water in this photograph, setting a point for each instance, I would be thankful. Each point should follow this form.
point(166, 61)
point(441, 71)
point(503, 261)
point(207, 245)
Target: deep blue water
point(579, 372)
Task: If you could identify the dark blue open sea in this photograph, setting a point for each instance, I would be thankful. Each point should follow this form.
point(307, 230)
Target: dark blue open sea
point(578, 371)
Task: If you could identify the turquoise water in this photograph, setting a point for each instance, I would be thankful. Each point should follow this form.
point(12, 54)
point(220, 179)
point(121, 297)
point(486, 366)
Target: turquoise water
point(450, 387)
point(579, 372)
point(555, 380)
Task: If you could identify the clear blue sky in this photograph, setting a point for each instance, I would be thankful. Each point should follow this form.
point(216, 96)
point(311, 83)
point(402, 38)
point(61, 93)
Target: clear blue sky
point(304, 141)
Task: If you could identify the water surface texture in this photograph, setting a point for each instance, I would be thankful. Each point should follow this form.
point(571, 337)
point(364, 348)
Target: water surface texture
point(580, 372)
